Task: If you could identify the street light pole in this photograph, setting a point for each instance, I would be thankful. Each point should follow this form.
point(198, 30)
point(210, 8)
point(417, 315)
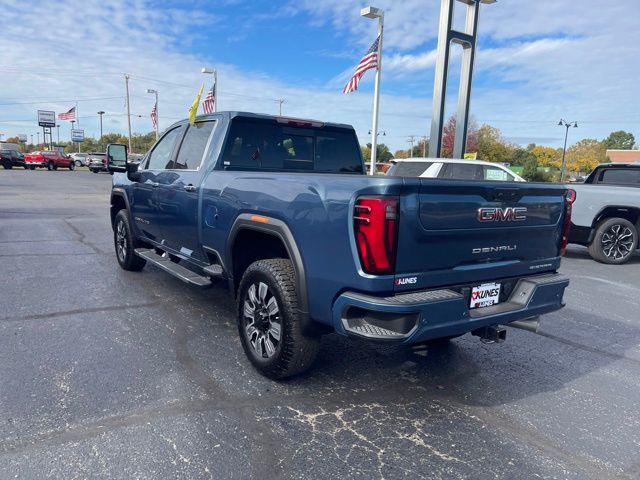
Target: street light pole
point(214, 72)
point(372, 12)
point(58, 129)
point(100, 113)
point(155, 92)
point(567, 125)
point(126, 87)
point(38, 139)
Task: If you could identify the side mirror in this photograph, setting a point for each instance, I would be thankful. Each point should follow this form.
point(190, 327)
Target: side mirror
point(116, 157)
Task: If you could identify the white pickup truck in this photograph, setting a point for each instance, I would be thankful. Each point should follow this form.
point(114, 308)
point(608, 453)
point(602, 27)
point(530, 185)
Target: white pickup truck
point(606, 212)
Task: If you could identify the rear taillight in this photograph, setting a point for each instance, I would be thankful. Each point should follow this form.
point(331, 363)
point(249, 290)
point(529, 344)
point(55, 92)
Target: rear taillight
point(375, 225)
point(566, 226)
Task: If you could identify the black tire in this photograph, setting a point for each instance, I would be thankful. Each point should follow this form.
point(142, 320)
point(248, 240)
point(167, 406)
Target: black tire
point(125, 243)
point(614, 242)
point(78, 163)
point(50, 166)
point(25, 167)
point(72, 166)
point(7, 166)
point(94, 170)
point(291, 351)
point(32, 167)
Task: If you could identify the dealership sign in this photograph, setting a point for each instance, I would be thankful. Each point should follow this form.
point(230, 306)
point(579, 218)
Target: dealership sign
point(22, 137)
point(46, 118)
point(77, 135)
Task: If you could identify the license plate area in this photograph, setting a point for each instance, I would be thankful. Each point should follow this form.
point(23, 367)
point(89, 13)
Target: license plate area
point(485, 295)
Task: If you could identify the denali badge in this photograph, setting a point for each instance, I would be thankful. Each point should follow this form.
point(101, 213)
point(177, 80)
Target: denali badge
point(499, 248)
point(497, 214)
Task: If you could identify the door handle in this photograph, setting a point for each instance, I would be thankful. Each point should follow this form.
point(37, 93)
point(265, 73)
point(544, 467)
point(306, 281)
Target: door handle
point(190, 188)
point(155, 184)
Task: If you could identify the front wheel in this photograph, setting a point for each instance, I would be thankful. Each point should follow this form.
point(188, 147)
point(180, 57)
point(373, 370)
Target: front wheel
point(32, 167)
point(78, 163)
point(50, 166)
point(7, 166)
point(125, 243)
point(614, 242)
point(269, 321)
point(72, 166)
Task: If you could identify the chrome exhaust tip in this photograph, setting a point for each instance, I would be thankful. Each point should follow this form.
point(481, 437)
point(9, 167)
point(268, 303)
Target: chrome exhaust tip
point(530, 324)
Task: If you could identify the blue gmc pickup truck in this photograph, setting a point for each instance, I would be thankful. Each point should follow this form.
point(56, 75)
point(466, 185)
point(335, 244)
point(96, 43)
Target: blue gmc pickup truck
point(282, 210)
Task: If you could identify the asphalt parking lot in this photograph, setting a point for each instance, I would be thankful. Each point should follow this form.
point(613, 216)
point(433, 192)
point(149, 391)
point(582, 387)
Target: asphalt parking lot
point(111, 374)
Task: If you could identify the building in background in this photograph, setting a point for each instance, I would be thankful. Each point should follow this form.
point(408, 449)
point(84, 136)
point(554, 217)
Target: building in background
point(623, 156)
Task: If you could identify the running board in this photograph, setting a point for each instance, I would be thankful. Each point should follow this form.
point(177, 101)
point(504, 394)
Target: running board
point(214, 271)
point(173, 268)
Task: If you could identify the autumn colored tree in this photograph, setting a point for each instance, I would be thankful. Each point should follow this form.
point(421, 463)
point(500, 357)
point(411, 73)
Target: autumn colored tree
point(492, 147)
point(449, 135)
point(547, 156)
point(585, 155)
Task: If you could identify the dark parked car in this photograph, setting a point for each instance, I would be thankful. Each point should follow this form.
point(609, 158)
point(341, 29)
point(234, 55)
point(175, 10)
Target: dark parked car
point(308, 244)
point(12, 158)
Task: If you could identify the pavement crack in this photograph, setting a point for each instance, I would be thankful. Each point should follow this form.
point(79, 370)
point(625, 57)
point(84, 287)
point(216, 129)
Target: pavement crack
point(81, 236)
point(111, 308)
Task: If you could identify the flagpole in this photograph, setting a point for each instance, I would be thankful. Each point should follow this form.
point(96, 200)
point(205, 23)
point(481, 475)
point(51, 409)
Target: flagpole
point(78, 120)
point(371, 12)
point(215, 90)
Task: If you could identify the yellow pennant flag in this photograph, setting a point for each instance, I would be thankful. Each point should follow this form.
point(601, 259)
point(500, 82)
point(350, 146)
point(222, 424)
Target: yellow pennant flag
point(193, 109)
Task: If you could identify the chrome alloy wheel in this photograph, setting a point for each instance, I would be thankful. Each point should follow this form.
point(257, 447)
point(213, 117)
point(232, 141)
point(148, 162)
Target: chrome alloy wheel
point(617, 242)
point(262, 320)
point(121, 241)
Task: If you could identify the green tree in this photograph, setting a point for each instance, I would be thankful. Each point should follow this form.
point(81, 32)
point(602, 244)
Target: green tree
point(383, 154)
point(522, 157)
point(492, 147)
point(619, 140)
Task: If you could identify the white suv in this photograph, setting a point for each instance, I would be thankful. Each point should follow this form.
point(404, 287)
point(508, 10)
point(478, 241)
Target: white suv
point(454, 169)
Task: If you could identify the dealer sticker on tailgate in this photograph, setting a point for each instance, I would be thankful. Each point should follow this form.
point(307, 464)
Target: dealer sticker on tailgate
point(485, 295)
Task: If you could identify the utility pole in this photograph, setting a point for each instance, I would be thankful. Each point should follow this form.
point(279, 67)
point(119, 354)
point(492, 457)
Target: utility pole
point(100, 113)
point(126, 86)
point(567, 125)
point(31, 138)
point(280, 102)
point(411, 140)
point(58, 128)
point(372, 12)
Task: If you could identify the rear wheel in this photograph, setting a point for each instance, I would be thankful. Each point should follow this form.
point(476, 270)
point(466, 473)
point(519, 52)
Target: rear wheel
point(50, 166)
point(72, 166)
point(78, 163)
point(125, 243)
point(7, 166)
point(614, 242)
point(269, 321)
point(32, 167)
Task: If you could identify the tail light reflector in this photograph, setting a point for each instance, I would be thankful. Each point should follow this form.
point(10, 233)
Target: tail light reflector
point(375, 225)
point(566, 226)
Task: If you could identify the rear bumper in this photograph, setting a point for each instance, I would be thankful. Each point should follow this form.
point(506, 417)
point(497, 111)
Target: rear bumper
point(418, 316)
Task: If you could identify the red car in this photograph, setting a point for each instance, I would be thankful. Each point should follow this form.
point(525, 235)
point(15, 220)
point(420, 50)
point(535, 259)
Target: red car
point(49, 159)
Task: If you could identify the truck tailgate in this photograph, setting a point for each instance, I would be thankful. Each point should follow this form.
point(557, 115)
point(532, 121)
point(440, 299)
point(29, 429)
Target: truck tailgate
point(459, 231)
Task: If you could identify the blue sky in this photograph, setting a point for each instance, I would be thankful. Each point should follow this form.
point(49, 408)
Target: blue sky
point(537, 61)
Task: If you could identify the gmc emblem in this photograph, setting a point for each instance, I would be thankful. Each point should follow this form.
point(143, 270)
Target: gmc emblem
point(497, 214)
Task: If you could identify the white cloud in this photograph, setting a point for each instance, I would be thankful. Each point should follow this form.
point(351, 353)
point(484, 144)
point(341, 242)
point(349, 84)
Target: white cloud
point(537, 61)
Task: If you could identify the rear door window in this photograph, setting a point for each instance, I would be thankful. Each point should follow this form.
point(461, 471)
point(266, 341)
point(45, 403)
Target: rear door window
point(193, 146)
point(462, 171)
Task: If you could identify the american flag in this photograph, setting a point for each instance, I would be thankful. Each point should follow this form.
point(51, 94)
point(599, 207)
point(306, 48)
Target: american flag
point(70, 115)
point(209, 101)
point(369, 61)
point(154, 115)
